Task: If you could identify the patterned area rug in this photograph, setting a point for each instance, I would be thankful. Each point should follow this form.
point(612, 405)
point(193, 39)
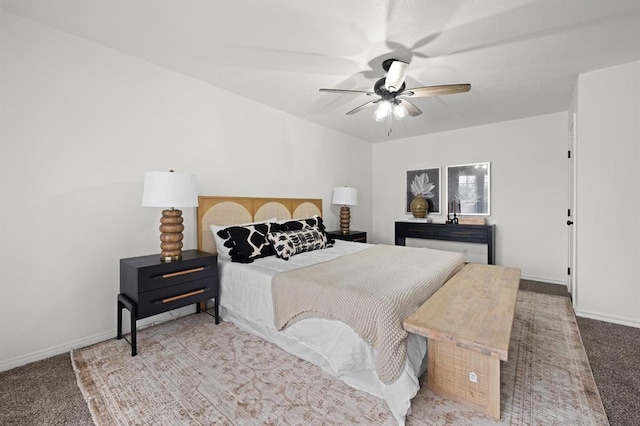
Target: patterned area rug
point(190, 371)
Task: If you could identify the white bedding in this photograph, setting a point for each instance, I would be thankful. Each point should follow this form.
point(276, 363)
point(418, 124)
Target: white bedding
point(245, 300)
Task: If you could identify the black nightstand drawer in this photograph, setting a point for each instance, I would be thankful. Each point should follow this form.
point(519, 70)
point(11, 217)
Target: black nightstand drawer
point(169, 298)
point(151, 279)
point(141, 274)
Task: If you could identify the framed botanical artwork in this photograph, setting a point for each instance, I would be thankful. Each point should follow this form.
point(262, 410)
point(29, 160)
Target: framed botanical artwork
point(427, 183)
point(469, 189)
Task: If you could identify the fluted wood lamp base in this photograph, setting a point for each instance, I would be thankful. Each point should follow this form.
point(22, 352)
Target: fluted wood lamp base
point(171, 228)
point(345, 219)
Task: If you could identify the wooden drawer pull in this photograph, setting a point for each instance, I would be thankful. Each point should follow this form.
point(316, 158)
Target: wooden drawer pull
point(461, 233)
point(182, 296)
point(188, 271)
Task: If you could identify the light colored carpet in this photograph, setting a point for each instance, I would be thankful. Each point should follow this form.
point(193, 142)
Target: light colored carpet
point(190, 371)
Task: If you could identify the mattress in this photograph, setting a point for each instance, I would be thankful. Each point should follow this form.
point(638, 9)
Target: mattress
point(246, 300)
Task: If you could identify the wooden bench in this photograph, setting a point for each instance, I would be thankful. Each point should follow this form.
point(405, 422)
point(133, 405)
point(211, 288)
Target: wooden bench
point(468, 326)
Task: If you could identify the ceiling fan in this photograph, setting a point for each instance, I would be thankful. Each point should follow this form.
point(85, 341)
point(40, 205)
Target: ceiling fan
point(393, 95)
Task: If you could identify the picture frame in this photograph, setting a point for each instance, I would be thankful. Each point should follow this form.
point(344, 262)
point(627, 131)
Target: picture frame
point(431, 182)
point(469, 189)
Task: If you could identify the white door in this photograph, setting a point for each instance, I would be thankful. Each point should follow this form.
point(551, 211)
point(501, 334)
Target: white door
point(571, 211)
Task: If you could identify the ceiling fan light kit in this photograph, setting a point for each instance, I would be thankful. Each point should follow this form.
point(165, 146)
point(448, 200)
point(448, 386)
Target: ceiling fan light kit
point(399, 111)
point(393, 100)
point(383, 110)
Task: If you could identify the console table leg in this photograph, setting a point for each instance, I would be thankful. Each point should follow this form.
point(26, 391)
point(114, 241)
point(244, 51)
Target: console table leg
point(119, 329)
point(134, 348)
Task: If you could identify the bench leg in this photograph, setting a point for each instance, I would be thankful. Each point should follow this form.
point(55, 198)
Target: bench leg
point(493, 404)
point(449, 371)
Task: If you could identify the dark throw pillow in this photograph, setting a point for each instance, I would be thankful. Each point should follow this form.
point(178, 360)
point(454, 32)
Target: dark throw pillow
point(247, 243)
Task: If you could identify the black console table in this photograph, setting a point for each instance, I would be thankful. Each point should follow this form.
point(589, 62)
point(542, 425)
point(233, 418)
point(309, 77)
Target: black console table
point(482, 234)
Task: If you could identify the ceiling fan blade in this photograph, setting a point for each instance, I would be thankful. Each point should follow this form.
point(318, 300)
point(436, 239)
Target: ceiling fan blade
point(410, 107)
point(396, 75)
point(346, 91)
point(446, 89)
point(363, 106)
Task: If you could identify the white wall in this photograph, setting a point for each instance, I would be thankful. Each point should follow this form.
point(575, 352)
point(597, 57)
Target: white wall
point(80, 124)
point(528, 189)
point(608, 194)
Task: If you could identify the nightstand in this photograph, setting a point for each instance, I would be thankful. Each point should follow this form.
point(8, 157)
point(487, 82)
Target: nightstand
point(355, 236)
point(149, 286)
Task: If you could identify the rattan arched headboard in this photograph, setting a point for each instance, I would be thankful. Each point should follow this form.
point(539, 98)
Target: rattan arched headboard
point(236, 210)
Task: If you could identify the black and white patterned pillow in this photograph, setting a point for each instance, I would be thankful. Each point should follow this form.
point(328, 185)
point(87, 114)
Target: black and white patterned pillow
point(300, 224)
point(247, 243)
point(290, 243)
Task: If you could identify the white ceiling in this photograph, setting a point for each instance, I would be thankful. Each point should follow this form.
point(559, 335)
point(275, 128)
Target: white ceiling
point(521, 57)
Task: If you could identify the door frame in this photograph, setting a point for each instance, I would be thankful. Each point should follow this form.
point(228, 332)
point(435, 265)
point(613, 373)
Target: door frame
point(572, 255)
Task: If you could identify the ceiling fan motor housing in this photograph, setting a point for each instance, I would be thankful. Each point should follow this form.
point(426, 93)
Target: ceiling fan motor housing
point(386, 64)
point(380, 90)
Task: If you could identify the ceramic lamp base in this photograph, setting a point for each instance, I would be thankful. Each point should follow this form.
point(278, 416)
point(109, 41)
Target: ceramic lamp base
point(171, 228)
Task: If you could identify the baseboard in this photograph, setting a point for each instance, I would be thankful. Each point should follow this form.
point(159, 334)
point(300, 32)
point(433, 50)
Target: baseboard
point(629, 322)
point(96, 338)
point(54, 350)
point(544, 280)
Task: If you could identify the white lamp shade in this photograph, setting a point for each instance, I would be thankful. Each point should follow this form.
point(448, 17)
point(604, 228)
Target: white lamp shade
point(345, 196)
point(169, 189)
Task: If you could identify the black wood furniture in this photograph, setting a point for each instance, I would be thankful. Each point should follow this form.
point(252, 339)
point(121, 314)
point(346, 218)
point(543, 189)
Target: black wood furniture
point(355, 236)
point(482, 234)
point(149, 286)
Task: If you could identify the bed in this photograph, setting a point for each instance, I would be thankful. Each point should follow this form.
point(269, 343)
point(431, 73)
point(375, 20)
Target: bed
point(247, 299)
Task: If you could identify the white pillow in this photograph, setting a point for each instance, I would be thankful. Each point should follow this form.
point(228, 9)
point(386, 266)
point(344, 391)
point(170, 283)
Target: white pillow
point(223, 252)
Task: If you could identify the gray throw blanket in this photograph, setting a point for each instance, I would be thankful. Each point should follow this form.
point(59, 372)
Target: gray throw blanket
point(372, 291)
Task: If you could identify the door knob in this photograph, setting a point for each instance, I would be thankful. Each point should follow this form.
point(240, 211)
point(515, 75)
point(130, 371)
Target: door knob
point(569, 222)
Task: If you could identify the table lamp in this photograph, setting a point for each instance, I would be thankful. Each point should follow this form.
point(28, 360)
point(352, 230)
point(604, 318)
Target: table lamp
point(345, 196)
point(170, 190)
